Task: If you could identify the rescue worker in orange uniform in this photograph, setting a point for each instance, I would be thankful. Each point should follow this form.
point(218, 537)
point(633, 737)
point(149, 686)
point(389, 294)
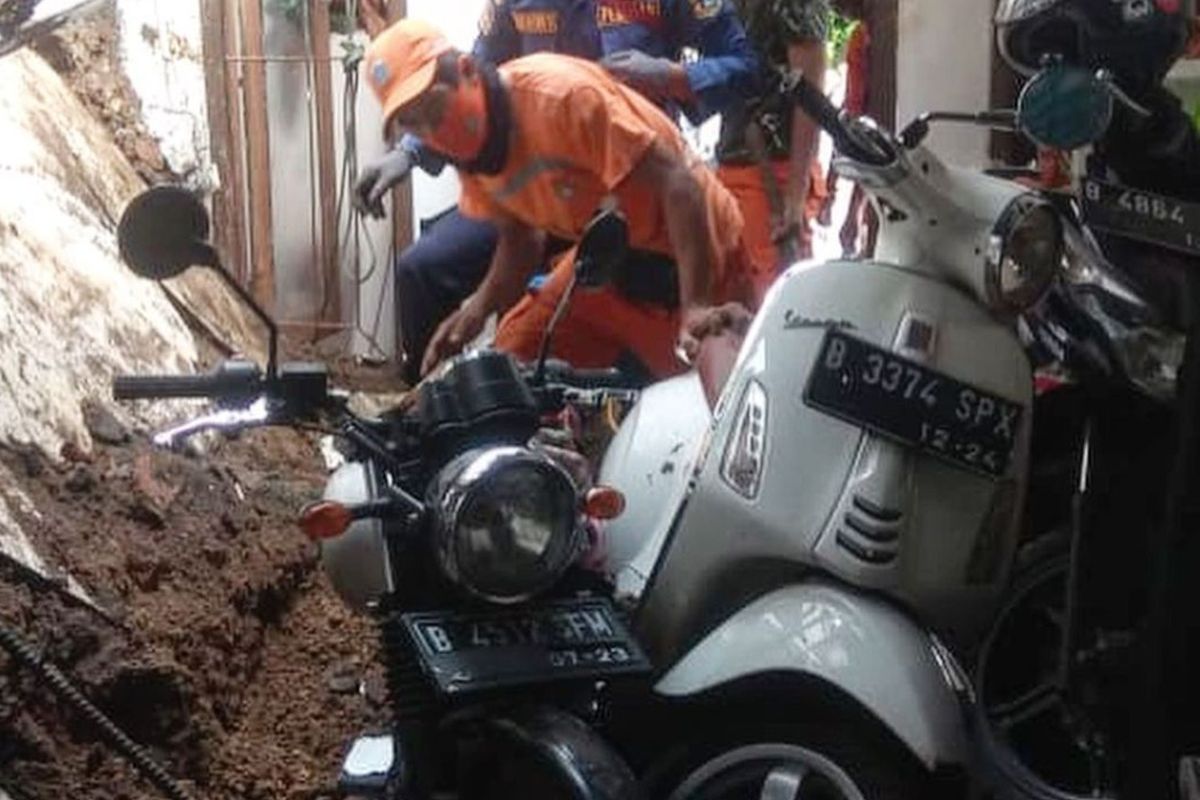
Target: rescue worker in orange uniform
point(768, 147)
point(541, 143)
point(641, 42)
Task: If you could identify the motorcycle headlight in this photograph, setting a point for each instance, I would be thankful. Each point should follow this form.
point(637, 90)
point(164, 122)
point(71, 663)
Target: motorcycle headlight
point(505, 522)
point(1025, 253)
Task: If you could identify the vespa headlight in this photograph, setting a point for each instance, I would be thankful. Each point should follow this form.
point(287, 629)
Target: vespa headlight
point(1024, 254)
point(505, 522)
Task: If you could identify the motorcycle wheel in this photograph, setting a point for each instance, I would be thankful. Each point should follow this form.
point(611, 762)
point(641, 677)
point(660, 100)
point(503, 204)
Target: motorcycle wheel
point(1036, 741)
point(802, 764)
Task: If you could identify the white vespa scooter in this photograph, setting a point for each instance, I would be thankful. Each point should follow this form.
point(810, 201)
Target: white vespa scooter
point(856, 488)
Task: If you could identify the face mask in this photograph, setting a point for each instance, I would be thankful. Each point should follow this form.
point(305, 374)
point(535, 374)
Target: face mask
point(464, 126)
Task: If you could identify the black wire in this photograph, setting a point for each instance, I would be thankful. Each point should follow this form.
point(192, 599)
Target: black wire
point(354, 228)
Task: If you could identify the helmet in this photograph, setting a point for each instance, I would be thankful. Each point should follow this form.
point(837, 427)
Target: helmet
point(1135, 40)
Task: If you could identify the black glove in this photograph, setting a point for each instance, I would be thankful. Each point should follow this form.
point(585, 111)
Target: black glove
point(378, 178)
point(649, 75)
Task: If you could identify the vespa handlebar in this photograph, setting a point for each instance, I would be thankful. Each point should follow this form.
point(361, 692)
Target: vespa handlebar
point(849, 140)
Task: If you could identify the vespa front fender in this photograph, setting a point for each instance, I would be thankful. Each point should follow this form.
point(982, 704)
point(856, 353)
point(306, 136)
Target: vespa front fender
point(857, 643)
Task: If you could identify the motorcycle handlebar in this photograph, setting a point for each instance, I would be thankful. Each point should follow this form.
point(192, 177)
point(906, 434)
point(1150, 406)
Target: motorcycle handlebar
point(147, 387)
point(830, 119)
point(232, 380)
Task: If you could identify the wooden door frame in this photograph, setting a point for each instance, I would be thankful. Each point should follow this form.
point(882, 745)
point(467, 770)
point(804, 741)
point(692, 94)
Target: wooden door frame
point(883, 23)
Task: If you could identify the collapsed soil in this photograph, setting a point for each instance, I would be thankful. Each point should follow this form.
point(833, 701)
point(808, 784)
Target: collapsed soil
point(85, 53)
point(221, 648)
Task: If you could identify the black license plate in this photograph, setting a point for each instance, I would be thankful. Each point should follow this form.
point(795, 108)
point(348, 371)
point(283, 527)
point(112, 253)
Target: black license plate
point(1143, 216)
point(571, 639)
point(913, 404)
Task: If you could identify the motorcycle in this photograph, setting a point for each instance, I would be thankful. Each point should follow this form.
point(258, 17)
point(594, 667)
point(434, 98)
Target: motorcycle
point(814, 557)
point(461, 537)
point(1059, 676)
point(774, 560)
point(795, 569)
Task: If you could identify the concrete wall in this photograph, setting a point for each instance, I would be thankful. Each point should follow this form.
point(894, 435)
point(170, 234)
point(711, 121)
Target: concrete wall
point(944, 63)
point(162, 52)
point(293, 168)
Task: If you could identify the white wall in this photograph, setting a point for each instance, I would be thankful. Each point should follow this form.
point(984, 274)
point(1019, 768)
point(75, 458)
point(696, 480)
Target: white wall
point(368, 276)
point(944, 63)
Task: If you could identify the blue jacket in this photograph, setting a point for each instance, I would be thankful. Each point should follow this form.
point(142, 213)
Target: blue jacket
point(510, 29)
point(727, 68)
point(726, 71)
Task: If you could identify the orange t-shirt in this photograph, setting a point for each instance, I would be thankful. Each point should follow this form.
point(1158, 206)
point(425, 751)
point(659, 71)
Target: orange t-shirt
point(577, 135)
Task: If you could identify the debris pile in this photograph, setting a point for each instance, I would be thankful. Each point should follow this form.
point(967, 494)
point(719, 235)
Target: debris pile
point(174, 589)
point(213, 640)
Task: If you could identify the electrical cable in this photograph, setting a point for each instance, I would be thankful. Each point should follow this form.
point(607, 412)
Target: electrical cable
point(353, 233)
point(24, 654)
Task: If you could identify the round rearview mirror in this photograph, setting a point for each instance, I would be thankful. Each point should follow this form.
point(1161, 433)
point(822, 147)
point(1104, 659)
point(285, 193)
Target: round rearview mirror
point(602, 248)
point(1065, 107)
point(164, 231)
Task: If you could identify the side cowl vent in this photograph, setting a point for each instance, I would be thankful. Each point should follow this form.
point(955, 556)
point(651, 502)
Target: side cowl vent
point(871, 532)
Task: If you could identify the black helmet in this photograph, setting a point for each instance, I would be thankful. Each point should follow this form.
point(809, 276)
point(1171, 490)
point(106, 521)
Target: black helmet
point(1136, 40)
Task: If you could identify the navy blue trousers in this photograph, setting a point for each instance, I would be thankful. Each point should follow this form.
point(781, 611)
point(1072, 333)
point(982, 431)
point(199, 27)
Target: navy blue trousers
point(434, 275)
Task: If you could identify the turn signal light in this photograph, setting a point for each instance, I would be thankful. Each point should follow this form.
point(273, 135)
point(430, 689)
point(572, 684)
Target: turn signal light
point(604, 502)
point(325, 520)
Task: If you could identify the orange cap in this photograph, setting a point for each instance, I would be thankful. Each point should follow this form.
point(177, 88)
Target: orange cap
point(401, 63)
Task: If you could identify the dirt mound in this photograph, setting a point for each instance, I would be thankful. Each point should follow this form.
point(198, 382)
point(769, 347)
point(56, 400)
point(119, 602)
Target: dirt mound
point(85, 53)
point(223, 650)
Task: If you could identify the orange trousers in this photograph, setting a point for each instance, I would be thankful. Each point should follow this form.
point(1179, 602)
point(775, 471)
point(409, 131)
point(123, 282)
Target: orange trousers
point(748, 185)
point(601, 324)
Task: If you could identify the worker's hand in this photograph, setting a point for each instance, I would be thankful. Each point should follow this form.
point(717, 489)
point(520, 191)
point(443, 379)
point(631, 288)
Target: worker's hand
point(455, 333)
point(699, 322)
point(649, 75)
point(378, 178)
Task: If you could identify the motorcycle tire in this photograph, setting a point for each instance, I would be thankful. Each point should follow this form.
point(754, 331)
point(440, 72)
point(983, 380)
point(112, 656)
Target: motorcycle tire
point(840, 761)
point(1005, 773)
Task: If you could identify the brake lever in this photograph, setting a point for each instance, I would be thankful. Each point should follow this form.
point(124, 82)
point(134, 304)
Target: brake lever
point(228, 419)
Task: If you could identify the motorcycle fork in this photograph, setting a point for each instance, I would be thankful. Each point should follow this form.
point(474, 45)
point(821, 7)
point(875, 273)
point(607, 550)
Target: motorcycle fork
point(1079, 507)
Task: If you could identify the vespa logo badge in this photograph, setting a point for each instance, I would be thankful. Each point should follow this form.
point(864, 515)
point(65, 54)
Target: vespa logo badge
point(795, 322)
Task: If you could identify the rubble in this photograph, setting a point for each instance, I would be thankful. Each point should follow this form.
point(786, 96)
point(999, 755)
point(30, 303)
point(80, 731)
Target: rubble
point(174, 588)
